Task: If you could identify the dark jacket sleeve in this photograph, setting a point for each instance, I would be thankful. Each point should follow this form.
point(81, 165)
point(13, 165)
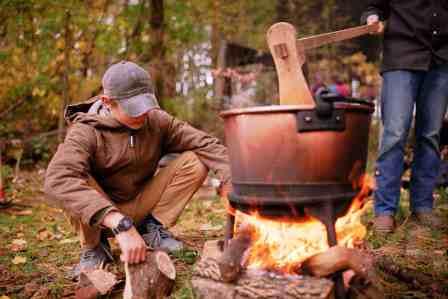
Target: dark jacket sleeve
point(67, 176)
point(181, 137)
point(376, 7)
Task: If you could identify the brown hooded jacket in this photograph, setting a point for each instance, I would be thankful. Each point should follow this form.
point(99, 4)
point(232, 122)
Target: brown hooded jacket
point(121, 160)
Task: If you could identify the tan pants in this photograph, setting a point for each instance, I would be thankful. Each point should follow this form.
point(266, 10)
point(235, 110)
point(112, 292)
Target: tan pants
point(164, 196)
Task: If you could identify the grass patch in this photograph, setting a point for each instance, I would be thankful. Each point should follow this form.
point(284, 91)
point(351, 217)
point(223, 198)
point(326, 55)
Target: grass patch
point(186, 256)
point(48, 260)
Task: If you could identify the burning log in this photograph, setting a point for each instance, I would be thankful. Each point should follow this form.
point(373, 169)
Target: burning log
point(335, 259)
point(208, 283)
point(339, 258)
point(153, 278)
point(231, 259)
point(260, 285)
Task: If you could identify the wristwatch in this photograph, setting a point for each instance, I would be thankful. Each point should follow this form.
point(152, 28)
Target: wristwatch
point(124, 225)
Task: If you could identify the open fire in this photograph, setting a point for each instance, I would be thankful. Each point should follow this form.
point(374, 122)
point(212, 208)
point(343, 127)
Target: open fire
point(282, 244)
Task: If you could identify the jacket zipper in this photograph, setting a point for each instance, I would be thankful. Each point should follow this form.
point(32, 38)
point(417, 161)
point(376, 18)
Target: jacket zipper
point(134, 158)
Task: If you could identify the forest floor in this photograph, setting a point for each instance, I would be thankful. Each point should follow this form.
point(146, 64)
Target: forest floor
point(38, 248)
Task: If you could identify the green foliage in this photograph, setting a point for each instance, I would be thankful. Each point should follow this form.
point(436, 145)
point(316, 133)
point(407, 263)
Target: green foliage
point(6, 173)
point(184, 293)
point(39, 150)
point(44, 40)
point(187, 256)
point(199, 111)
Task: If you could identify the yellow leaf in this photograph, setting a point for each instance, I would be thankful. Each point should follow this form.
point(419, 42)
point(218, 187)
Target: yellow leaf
point(4, 297)
point(44, 234)
point(18, 260)
point(68, 241)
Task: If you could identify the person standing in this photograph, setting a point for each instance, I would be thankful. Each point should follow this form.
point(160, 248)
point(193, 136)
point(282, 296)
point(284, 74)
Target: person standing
point(415, 74)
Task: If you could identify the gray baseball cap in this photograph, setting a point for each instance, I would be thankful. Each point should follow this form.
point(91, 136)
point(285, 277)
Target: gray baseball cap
point(131, 86)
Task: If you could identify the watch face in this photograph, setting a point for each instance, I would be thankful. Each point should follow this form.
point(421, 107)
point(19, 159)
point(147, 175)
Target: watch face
point(125, 224)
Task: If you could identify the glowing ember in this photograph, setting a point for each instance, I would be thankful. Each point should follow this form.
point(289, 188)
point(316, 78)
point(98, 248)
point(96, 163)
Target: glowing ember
point(281, 245)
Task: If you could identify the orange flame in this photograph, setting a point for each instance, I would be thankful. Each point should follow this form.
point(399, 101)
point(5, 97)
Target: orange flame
point(281, 245)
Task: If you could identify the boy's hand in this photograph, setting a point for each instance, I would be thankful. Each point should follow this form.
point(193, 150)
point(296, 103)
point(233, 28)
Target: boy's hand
point(374, 19)
point(133, 247)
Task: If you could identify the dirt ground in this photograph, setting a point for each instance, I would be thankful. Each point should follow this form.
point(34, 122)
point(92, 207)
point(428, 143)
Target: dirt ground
point(38, 247)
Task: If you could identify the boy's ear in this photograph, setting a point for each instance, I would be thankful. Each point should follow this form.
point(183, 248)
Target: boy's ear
point(106, 100)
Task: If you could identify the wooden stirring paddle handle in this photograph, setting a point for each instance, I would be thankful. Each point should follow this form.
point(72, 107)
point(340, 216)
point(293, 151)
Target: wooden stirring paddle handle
point(314, 41)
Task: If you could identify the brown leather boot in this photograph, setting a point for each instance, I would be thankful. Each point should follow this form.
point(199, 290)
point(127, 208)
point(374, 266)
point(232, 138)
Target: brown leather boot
point(427, 219)
point(384, 224)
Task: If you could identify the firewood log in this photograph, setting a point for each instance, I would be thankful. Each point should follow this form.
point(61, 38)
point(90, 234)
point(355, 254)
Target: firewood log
point(359, 288)
point(230, 261)
point(335, 259)
point(416, 279)
point(257, 285)
point(94, 283)
point(153, 278)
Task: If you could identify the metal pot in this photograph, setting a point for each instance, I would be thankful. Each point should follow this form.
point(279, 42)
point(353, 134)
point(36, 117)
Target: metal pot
point(301, 154)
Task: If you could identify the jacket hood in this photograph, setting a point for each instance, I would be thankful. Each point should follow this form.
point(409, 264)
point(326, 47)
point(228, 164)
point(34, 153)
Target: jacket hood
point(93, 113)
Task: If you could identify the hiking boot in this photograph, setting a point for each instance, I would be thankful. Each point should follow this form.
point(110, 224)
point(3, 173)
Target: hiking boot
point(93, 258)
point(157, 237)
point(384, 224)
point(427, 219)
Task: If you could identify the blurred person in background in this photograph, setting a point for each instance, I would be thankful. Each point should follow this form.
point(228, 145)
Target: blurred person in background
point(415, 74)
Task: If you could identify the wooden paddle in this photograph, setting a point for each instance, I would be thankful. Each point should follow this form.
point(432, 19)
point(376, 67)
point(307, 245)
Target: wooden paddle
point(289, 57)
point(293, 89)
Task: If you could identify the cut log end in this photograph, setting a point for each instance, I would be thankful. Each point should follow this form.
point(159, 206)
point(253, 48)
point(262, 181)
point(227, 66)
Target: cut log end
point(94, 283)
point(166, 267)
point(153, 278)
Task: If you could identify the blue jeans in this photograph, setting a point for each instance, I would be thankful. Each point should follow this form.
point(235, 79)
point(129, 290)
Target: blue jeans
point(402, 90)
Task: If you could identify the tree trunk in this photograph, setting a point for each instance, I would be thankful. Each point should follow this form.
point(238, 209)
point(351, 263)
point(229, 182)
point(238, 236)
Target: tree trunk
point(2, 193)
point(162, 72)
point(283, 11)
point(66, 86)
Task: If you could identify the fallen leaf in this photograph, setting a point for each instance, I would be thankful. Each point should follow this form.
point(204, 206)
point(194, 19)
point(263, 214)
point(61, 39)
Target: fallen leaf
point(20, 235)
point(43, 292)
point(68, 241)
point(18, 260)
point(23, 213)
point(47, 218)
point(210, 227)
point(44, 252)
point(30, 289)
point(18, 245)
point(58, 236)
point(44, 234)
point(4, 297)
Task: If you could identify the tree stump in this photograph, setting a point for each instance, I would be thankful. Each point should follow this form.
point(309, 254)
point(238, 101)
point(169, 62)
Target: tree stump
point(153, 279)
